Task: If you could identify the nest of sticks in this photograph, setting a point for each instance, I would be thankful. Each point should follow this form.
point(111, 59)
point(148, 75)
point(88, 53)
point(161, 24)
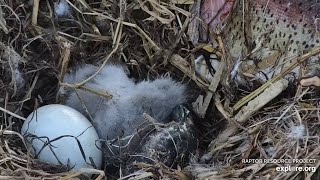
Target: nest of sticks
point(39, 46)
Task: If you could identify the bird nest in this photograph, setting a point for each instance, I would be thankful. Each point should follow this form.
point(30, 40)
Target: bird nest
point(256, 134)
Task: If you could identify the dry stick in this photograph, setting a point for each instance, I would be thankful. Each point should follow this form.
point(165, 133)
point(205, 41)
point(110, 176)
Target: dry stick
point(12, 114)
point(85, 171)
point(137, 175)
point(70, 36)
point(116, 42)
point(3, 23)
point(291, 105)
point(103, 94)
point(175, 60)
point(257, 103)
point(178, 39)
point(214, 82)
point(27, 97)
point(312, 81)
point(33, 171)
point(64, 61)
point(2, 152)
point(204, 104)
point(8, 132)
point(258, 91)
point(98, 93)
point(183, 66)
point(226, 114)
point(118, 37)
point(4, 114)
point(244, 114)
point(267, 95)
point(35, 11)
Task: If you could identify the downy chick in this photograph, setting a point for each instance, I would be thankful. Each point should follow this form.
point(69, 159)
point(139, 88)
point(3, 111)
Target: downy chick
point(163, 94)
point(111, 79)
point(123, 114)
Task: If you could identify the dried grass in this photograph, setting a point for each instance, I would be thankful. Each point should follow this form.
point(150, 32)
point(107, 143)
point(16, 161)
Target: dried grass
point(150, 37)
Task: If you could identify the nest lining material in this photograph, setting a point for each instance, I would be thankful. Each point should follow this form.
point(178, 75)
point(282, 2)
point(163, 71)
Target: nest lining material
point(150, 37)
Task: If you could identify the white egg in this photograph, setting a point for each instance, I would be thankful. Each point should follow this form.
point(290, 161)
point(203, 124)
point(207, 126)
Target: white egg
point(63, 126)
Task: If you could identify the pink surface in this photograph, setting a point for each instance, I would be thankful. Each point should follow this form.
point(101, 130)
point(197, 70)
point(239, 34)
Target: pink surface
point(215, 11)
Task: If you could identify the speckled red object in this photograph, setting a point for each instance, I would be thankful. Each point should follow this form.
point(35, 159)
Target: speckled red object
point(294, 13)
point(271, 33)
point(308, 11)
point(293, 10)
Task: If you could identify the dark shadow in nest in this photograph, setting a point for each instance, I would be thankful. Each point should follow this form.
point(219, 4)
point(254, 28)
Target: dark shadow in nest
point(44, 92)
point(40, 73)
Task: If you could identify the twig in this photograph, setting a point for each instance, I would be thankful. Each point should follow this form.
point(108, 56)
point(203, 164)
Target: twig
point(64, 61)
point(99, 93)
point(35, 11)
point(255, 93)
point(12, 114)
point(117, 37)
